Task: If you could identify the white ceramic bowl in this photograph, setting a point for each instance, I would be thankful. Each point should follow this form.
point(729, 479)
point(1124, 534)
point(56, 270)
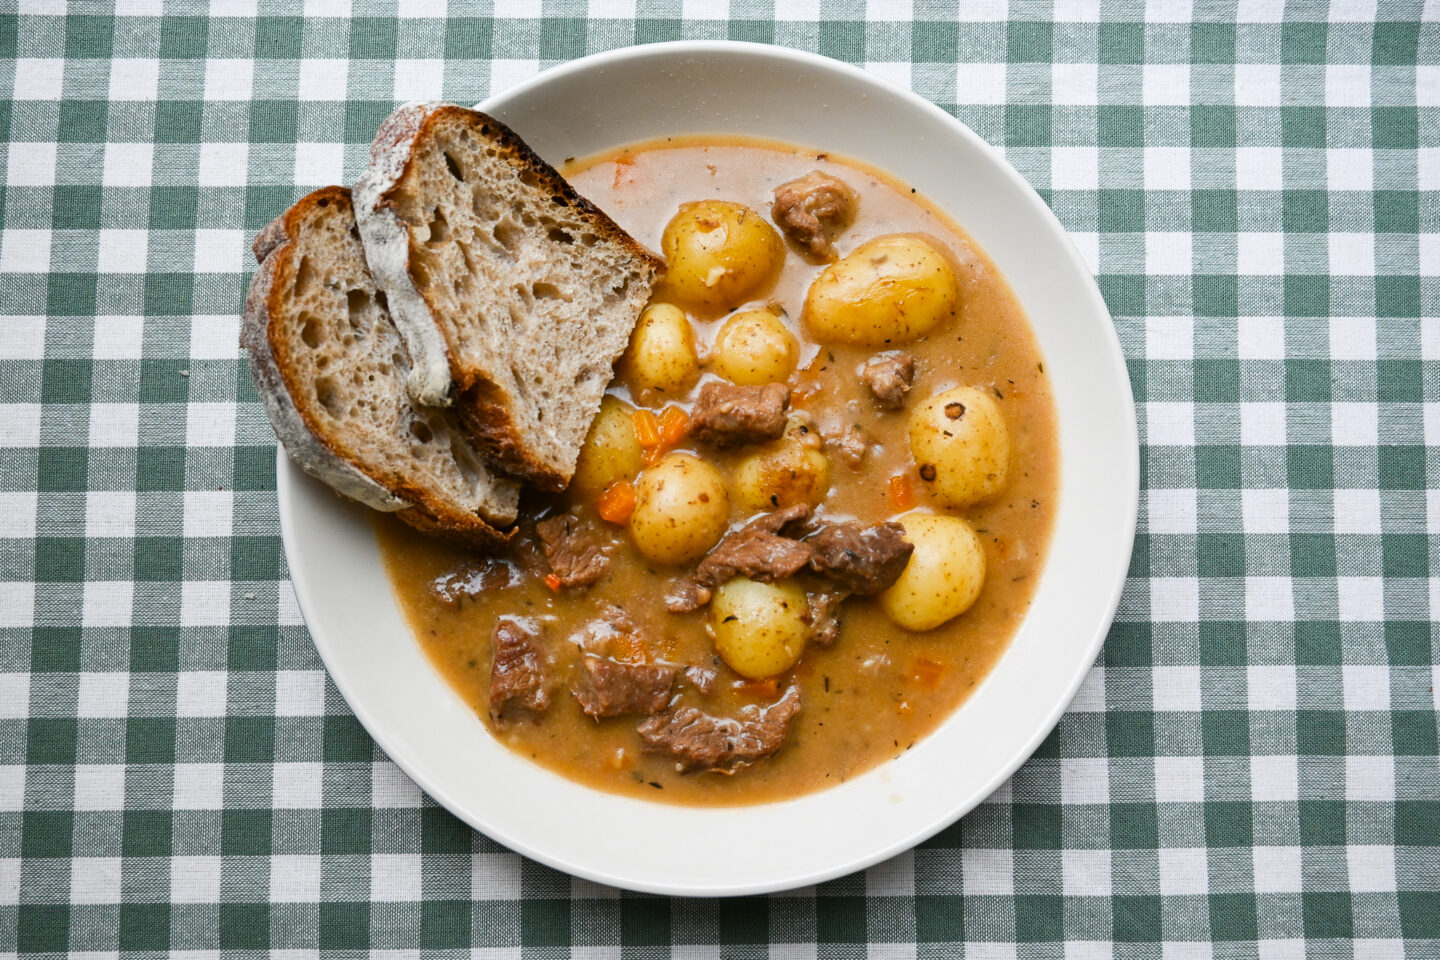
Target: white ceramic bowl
point(681, 88)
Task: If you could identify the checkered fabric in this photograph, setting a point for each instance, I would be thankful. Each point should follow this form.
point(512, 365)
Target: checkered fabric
point(1251, 768)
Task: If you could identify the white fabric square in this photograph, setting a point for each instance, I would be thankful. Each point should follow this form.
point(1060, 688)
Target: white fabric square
point(1354, 11)
point(1259, 168)
point(200, 693)
point(894, 877)
point(229, 79)
point(1427, 85)
point(109, 513)
point(299, 786)
point(1072, 11)
point(980, 82)
point(287, 606)
point(1168, 254)
point(1270, 686)
point(128, 164)
point(1167, 168)
point(17, 514)
point(1075, 84)
point(199, 786)
point(114, 424)
point(208, 513)
point(395, 878)
point(19, 424)
point(1074, 168)
point(1352, 338)
point(1377, 949)
point(108, 603)
point(327, 8)
point(1347, 85)
point(1270, 599)
point(325, 79)
point(1277, 869)
point(426, 9)
point(1369, 778)
point(12, 798)
point(988, 871)
point(1184, 871)
point(1186, 950)
point(134, 80)
point(139, 8)
point(1175, 599)
point(24, 251)
point(391, 787)
point(1372, 869)
point(1176, 688)
point(95, 880)
point(505, 74)
point(1354, 424)
point(1169, 338)
point(37, 79)
point(210, 424)
point(704, 9)
point(1085, 873)
point(123, 251)
point(888, 11)
point(1261, 338)
point(1262, 424)
point(1085, 780)
point(103, 695)
point(1357, 511)
point(1352, 254)
point(220, 251)
point(14, 696)
point(1088, 244)
point(1274, 778)
point(205, 603)
point(22, 337)
point(1293, 949)
point(1349, 168)
point(1180, 779)
point(1367, 686)
point(1257, 85)
point(317, 164)
point(625, 10)
point(224, 164)
point(1171, 511)
point(214, 337)
point(1167, 11)
point(1431, 426)
point(195, 879)
point(1170, 423)
point(1265, 510)
point(891, 71)
point(1260, 254)
point(300, 693)
point(419, 79)
point(1166, 85)
point(1360, 599)
point(31, 164)
point(495, 876)
point(1428, 164)
point(17, 604)
point(100, 786)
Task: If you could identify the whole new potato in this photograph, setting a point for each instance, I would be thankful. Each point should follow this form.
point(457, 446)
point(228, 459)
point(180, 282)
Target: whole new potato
point(661, 355)
point(759, 628)
point(681, 509)
point(943, 577)
point(754, 347)
point(791, 470)
point(611, 451)
point(887, 291)
point(719, 254)
point(959, 441)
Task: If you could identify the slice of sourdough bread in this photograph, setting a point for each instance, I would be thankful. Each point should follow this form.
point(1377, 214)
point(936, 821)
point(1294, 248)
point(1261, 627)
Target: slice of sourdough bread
point(331, 367)
point(515, 294)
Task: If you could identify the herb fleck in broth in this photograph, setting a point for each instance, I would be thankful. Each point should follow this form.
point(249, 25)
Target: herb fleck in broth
point(879, 689)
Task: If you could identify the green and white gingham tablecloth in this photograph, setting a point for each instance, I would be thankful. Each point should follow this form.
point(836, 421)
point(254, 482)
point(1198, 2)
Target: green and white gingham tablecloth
point(1251, 768)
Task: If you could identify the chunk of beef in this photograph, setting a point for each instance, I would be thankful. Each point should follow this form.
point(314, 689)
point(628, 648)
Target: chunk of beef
point(519, 681)
point(823, 616)
point(757, 550)
point(851, 446)
point(683, 596)
point(697, 741)
point(574, 551)
point(701, 678)
point(601, 634)
point(889, 377)
point(864, 560)
point(727, 415)
point(609, 688)
point(813, 209)
point(474, 578)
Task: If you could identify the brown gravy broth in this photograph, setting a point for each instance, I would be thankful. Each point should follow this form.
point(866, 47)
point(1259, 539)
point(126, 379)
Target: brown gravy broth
point(879, 689)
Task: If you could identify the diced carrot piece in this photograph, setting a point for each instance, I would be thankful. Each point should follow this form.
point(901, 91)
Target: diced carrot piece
point(902, 491)
point(927, 672)
point(647, 428)
point(617, 502)
point(553, 582)
point(628, 648)
point(768, 688)
point(674, 424)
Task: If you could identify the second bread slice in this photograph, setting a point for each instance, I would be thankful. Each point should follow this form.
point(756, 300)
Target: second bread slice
point(514, 293)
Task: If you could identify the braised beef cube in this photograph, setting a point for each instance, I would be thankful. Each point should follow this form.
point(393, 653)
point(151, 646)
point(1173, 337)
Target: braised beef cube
point(683, 596)
point(697, 741)
point(889, 377)
point(757, 550)
point(727, 415)
point(473, 579)
point(519, 673)
point(608, 688)
point(812, 209)
point(702, 679)
point(823, 616)
point(863, 559)
point(851, 446)
point(574, 550)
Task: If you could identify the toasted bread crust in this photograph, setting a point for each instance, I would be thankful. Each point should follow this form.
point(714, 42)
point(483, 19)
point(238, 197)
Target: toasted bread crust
point(298, 433)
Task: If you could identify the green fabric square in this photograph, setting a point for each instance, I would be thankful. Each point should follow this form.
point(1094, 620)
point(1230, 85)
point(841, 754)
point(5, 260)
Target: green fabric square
point(9, 35)
point(658, 29)
point(183, 38)
point(47, 833)
point(1037, 826)
point(1305, 211)
point(1130, 733)
point(645, 922)
point(1213, 211)
point(1318, 642)
point(55, 649)
point(1302, 127)
point(1309, 467)
point(345, 830)
point(1136, 919)
point(274, 121)
point(1400, 381)
point(1322, 822)
point(60, 559)
point(751, 31)
point(154, 649)
point(78, 206)
point(1406, 554)
point(1413, 733)
point(147, 833)
point(1395, 44)
point(1233, 917)
point(1307, 296)
point(546, 923)
point(1225, 733)
point(1312, 555)
point(562, 38)
point(1419, 914)
point(88, 36)
point(1397, 211)
point(254, 558)
point(66, 381)
point(362, 119)
point(83, 120)
point(935, 41)
point(178, 121)
point(244, 926)
point(1039, 919)
point(1397, 296)
point(1127, 645)
point(1307, 381)
point(42, 928)
point(1134, 826)
point(1124, 295)
point(1120, 125)
point(1140, 556)
point(63, 469)
point(1320, 733)
point(840, 920)
point(444, 924)
point(1216, 296)
point(150, 740)
point(144, 926)
point(71, 294)
point(1212, 125)
point(174, 208)
point(254, 468)
point(1407, 642)
point(373, 38)
point(1402, 468)
point(1327, 915)
point(1302, 42)
point(50, 740)
point(265, 203)
point(160, 559)
point(1049, 747)
point(245, 832)
point(1220, 555)
point(1228, 824)
point(1223, 643)
point(346, 740)
point(469, 38)
point(249, 739)
point(1121, 42)
point(169, 294)
point(1417, 823)
point(1028, 41)
point(939, 919)
point(441, 832)
point(1217, 466)
point(278, 38)
point(744, 920)
point(1027, 125)
point(1217, 380)
point(251, 648)
point(1395, 128)
point(842, 40)
point(161, 380)
point(1212, 43)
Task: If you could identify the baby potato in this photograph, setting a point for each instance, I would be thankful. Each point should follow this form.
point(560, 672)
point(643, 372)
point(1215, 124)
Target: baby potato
point(959, 440)
point(759, 628)
point(681, 509)
point(661, 355)
point(719, 254)
point(754, 347)
point(611, 452)
point(887, 291)
point(943, 577)
point(791, 470)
